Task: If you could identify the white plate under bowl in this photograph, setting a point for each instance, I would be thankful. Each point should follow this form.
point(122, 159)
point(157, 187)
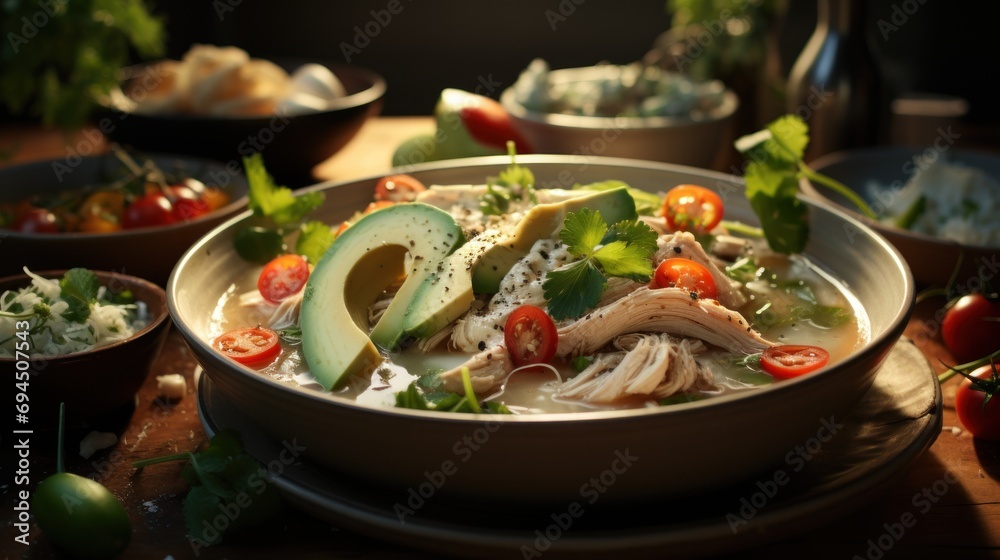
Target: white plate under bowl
point(895, 422)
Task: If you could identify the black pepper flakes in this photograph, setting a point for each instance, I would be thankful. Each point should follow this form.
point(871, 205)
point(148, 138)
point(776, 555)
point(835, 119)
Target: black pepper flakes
point(481, 345)
point(677, 249)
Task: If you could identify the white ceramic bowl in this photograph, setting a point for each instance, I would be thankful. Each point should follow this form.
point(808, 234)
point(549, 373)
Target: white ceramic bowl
point(698, 142)
point(547, 458)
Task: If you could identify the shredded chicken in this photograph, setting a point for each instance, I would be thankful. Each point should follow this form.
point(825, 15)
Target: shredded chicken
point(729, 247)
point(654, 365)
point(487, 369)
point(666, 310)
point(684, 245)
point(273, 316)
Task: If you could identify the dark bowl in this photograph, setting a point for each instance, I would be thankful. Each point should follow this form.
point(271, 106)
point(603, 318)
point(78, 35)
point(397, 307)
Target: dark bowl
point(291, 144)
point(94, 382)
point(933, 260)
point(147, 252)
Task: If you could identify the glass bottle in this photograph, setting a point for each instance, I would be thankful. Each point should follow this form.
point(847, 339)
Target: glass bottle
point(834, 85)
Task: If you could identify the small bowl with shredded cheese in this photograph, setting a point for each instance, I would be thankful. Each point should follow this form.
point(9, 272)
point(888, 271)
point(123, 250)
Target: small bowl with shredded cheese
point(86, 338)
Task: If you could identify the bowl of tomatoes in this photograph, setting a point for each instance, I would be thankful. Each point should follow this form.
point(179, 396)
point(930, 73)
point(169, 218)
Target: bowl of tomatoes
point(119, 211)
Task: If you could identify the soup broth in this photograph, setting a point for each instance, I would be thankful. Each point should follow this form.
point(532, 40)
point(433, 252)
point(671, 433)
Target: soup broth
point(790, 301)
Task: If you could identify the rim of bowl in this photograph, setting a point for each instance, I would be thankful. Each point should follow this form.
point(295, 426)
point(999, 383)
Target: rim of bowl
point(746, 398)
point(879, 152)
point(730, 103)
point(373, 90)
point(228, 209)
point(104, 275)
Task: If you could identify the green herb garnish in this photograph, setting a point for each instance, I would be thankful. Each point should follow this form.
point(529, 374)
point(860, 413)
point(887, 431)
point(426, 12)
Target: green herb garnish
point(513, 183)
point(281, 210)
point(79, 288)
point(276, 203)
point(622, 250)
point(772, 182)
point(315, 238)
point(223, 477)
point(415, 399)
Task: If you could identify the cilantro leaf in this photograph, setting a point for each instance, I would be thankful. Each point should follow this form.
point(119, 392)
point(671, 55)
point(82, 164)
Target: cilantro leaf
point(772, 177)
point(79, 288)
point(582, 231)
point(789, 138)
point(634, 233)
point(223, 477)
point(625, 261)
point(573, 290)
point(783, 217)
point(279, 204)
point(315, 238)
point(622, 250)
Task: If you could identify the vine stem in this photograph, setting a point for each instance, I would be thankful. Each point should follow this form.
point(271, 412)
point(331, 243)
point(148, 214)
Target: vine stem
point(953, 371)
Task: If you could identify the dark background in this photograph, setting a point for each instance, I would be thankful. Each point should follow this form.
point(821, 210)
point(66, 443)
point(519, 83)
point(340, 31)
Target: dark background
point(944, 47)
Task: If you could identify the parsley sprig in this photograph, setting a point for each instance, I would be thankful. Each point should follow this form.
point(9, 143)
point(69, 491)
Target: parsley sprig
point(772, 178)
point(223, 477)
point(621, 250)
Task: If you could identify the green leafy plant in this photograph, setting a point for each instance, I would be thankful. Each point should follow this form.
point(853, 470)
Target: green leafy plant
point(60, 57)
point(621, 250)
point(772, 177)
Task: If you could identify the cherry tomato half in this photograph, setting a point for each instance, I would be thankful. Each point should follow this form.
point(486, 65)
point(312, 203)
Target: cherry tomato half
point(692, 208)
point(150, 210)
point(971, 327)
point(687, 275)
point(530, 336)
point(983, 422)
point(283, 277)
point(398, 188)
point(792, 360)
point(251, 345)
point(37, 220)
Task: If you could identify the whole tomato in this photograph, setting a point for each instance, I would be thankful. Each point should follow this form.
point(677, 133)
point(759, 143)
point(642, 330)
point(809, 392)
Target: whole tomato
point(982, 420)
point(971, 327)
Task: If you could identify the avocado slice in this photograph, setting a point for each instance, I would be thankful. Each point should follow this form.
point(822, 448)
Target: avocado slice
point(360, 264)
point(446, 294)
point(541, 222)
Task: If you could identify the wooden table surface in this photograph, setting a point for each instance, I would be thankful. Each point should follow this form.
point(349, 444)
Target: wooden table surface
point(962, 522)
